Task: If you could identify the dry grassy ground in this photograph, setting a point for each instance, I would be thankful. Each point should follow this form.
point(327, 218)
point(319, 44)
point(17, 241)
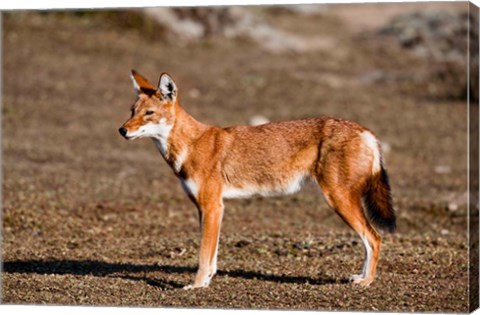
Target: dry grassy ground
point(89, 218)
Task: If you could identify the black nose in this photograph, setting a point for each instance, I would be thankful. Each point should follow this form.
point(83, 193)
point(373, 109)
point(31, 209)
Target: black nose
point(123, 131)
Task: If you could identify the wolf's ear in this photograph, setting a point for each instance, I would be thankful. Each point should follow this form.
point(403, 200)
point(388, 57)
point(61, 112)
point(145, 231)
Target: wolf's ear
point(167, 87)
point(140, 84)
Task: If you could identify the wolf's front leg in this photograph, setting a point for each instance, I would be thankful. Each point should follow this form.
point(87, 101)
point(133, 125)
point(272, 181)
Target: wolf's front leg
point(211, 206)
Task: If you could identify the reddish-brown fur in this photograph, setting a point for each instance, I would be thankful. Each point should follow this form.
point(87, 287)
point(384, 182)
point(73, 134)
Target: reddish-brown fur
point(265, 159)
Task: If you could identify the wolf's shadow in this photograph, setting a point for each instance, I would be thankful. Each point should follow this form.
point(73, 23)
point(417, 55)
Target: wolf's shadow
point(127, 271)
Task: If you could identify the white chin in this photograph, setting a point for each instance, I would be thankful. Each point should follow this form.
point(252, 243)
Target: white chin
point(136, 136)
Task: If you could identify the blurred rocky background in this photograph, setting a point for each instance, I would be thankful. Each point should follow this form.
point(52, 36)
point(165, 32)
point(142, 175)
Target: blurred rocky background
point(442, 39)
point(437, 37)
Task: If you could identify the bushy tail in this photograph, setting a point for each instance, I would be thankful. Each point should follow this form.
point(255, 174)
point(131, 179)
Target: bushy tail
point(378, 201)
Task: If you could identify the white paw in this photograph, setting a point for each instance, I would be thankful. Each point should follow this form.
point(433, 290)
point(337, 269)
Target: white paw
point(203, 284)
point(361, 280)
point(356, 278)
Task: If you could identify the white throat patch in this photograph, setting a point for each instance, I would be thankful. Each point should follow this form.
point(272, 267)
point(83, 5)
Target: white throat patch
point(158, 132)
point(160, 137)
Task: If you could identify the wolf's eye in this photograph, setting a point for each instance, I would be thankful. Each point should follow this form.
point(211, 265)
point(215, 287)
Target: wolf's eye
point(149, 112)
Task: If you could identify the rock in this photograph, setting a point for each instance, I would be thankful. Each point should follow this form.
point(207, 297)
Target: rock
point(258, 120)
point(442, 39)
point(301, 9)
point(183, 30)
point(386, 147)
point(443, 169)
point(434, 34)
point(455, 201)
point(271, 39)
point(194, 24)
point(194, 93)
point(452, 206)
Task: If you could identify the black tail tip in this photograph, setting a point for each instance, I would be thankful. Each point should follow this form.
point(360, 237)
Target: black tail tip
point(387, 224)
point(382, 217)
point(392, 228)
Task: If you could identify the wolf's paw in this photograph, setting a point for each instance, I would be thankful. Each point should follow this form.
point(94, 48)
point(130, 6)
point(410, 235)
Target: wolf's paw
point(193, 286)
point(361, 280)
point(198, 284)
point(354, 278)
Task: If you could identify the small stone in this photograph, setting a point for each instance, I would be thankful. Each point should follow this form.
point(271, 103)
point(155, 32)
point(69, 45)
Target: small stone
point(258, 120)
point(386, 147)
point(452, 206)
point(442, 169)
point(194, 93)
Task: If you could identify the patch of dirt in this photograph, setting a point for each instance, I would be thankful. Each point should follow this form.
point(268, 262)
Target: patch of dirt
point(89, 218)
